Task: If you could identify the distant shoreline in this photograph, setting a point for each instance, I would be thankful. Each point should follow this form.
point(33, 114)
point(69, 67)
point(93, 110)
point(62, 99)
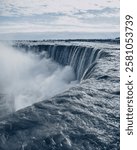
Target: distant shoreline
point(115, 41)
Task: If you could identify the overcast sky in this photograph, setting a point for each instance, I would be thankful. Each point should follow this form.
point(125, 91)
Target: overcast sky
point(50, 18)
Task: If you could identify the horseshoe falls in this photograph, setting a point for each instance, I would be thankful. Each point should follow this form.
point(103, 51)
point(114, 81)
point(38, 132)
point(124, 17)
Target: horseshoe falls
point(60, 95)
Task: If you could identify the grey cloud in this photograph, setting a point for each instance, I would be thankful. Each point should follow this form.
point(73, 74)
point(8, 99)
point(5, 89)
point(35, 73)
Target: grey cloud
point(109, 1)
point(46, 17)
point(11, 9)
point(99, 16)
point(8, 9)
point(102, 20)
point(42, 18)
point(106, 10)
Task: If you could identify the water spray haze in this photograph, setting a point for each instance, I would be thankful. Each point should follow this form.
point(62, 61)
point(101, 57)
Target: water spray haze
point(26, 78)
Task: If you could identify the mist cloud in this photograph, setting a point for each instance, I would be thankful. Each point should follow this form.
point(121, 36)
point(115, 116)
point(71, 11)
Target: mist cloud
point(27, 78)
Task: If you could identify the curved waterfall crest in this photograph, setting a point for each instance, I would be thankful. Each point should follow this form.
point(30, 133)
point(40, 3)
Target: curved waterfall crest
point(81, 58)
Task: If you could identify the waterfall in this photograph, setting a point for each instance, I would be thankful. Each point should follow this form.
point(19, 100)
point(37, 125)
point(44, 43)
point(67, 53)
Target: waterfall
point(82, 59)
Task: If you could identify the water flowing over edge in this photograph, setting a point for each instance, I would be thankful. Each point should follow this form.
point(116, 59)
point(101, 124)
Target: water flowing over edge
point(82, 59)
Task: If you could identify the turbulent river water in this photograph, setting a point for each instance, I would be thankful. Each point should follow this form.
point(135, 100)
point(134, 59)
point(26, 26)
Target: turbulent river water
point(57, 95)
